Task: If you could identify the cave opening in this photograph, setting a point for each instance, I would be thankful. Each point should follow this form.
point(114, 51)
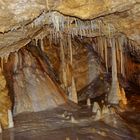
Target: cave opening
point(70, 78)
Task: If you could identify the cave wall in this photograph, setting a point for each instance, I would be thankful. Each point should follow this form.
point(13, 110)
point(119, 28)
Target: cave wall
point(33, 87)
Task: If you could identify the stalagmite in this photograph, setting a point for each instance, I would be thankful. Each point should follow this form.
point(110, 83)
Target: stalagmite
point(10, 119)
point(95, 107)
point(123, 97)
point(50, 37)
point(73, 120)
point(88, 102)
point(98, 115)
point(74, 97)
point(105, 110)
point(42, 45)
point(106, 54)
point(67, 138)
point(0, 128)
point(114, 95)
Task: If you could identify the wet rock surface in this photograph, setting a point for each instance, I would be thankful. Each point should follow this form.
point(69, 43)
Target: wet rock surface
point(63, 124)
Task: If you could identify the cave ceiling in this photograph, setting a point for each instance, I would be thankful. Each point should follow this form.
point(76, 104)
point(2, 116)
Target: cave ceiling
point(23, 20)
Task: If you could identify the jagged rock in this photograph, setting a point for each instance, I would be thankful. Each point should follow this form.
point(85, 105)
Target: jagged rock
point(95, 107)
point(30, 95)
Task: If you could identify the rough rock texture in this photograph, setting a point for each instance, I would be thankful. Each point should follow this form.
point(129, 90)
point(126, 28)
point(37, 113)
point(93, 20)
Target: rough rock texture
point(98, 87)
point(132, 71)
point(5, 102)
point(125, 13)
point(85, 66)
point(33, 87)
point(21, 20)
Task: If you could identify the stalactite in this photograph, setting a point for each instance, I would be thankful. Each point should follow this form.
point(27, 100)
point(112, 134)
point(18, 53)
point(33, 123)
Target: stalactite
point(101, 47)
point(50, 37)
point(118, 57)
point(117, 94)
point(64, 77)
point(122, 69)
point(70, 48)
point(95, 107)
point(68, 23)
point(106, 54)
point(36, 41)
point(114, 64)
point(42, 44)
point(15, 61)
point(6, 58)
point(2, 62)
point(114, 95)
point(84, 33)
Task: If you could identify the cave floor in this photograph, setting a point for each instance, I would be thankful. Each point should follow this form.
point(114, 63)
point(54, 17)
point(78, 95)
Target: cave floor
point(52, 125)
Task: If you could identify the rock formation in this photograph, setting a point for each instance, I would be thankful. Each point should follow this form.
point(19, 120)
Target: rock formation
point(52, 49)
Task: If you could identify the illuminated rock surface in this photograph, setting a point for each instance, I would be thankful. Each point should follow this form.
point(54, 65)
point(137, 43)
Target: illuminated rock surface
point(56, 54)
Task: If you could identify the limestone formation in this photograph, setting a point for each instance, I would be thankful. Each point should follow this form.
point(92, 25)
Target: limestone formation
point(105, 110)
point(10, 119)
point(0, 129)
point(88, 102)
point(52, 49)
point(98, 115)
point(95, 107)
point(5, 102)
point(73, 120)
point(30, 18)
